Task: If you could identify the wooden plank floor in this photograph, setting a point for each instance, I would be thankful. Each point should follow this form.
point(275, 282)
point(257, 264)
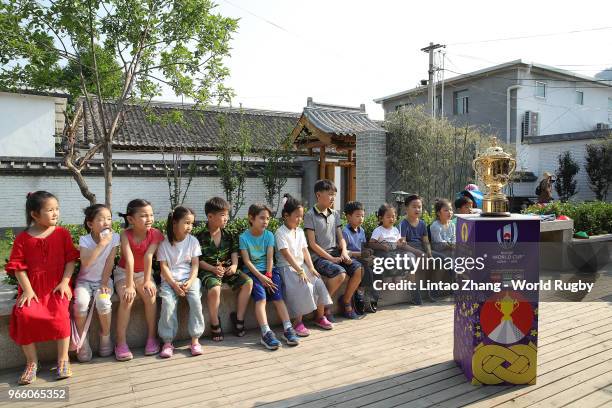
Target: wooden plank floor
point(401, 356)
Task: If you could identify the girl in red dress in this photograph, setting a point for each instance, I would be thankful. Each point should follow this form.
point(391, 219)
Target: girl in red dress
point(42, 259)
point(133, 275)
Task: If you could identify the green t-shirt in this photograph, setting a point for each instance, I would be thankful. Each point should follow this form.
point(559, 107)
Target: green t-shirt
point(222, 254)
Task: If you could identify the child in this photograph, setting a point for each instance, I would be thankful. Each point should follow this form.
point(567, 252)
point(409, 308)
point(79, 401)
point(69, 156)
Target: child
point(219, 264)
point(463, 205)
point(257, 250)
point(386, 237)
point(354, 235)
point(42, 260)
point(327, 247)
point(98, 251)
point(178, 259)
point(414, 230)
point(304, 291)
point(442, 229)
point(139, 241)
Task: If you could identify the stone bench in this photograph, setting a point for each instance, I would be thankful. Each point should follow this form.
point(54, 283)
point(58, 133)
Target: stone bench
point(137, 331)
point(555, 236)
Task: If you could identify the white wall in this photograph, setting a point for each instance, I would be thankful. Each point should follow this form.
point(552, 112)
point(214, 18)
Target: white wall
point(27, 125)
point(558, 112)
point(544, 157)
point(13, 190)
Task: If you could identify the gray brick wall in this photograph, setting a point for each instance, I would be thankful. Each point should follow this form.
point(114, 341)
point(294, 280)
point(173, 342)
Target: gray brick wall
point(371, 169)
point(13, 190)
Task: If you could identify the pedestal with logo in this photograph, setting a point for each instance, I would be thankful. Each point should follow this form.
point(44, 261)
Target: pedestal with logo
point(496, 321)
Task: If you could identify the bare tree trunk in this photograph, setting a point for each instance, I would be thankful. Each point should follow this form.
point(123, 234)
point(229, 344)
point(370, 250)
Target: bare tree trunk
point(80, 180)
point(73, 162)
point(107, 154)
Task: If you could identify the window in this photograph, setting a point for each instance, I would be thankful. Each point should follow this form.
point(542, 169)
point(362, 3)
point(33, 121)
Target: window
point(402, 105)
point(438, 105)
point(540, 91)
point(579, 98)
point(461, 105)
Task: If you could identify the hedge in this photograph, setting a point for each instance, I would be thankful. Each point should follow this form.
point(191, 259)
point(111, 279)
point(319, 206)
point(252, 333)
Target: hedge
point(593, 217)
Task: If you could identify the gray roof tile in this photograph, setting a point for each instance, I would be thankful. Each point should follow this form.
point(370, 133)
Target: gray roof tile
point(201, 132)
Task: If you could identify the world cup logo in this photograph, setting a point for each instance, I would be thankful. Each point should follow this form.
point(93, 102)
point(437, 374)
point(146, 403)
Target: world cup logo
point(507, 235)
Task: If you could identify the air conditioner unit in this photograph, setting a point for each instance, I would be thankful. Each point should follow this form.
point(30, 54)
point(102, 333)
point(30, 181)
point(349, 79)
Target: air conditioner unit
point(602, 126)
point(531, 124)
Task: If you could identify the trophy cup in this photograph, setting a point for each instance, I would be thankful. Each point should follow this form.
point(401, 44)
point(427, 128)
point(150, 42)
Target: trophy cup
point(494, 167)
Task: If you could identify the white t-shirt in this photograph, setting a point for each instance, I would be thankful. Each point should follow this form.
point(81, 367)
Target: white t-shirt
point(294, 241)
point(387, 235)
point(93, 272)
point(178, 256)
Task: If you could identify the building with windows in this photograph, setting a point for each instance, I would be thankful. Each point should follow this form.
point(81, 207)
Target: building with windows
point(540, 109)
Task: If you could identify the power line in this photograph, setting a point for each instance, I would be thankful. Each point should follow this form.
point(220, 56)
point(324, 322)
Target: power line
point(532, 36)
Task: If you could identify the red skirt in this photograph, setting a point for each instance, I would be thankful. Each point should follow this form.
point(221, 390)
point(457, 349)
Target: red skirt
point(45, 320)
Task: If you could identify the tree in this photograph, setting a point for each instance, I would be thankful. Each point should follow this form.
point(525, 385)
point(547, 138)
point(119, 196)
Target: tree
point(233, 170)
point(174, 175)
point(429, 156)
point(599, 168)
point(126, 50)
point(277, 160)
point(567, 170)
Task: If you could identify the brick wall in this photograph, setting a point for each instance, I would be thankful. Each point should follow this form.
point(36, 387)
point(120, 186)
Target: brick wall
point(13, 190)
point(371, 172)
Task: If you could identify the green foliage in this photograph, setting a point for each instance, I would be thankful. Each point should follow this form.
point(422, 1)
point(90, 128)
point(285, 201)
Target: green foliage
point(115, 48)
point(566, 172)
point(430, 156)
point(110, 79)
point(599, 167)
point(594, 218)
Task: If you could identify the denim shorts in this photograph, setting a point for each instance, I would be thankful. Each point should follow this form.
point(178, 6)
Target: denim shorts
point(261, 293)
point(331, 270)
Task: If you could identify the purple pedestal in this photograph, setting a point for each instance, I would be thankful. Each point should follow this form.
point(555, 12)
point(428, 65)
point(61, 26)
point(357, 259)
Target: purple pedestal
point(496, 322)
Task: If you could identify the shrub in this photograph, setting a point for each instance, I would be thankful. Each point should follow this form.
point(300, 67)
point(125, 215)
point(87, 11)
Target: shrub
point(599, 167)
point(592, 217)
point(566, 172)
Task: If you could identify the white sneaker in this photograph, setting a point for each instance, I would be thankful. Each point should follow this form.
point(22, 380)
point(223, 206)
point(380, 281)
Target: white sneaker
point(106, 346)
point(84, 354)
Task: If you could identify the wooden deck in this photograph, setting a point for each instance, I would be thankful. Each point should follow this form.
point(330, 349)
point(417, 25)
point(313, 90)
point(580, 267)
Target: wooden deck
point(400, 356)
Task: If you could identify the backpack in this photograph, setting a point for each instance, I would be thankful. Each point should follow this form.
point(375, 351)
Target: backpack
point(538, 190)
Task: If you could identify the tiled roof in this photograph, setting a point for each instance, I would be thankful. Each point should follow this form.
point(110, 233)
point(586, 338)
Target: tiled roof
point(340, 120)
point(201, 131)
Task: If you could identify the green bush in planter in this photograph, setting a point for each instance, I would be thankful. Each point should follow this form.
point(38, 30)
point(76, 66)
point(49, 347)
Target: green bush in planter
point(593, 217)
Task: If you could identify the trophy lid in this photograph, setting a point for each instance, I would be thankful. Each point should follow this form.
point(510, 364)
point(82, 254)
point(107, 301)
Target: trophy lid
point(495, 151)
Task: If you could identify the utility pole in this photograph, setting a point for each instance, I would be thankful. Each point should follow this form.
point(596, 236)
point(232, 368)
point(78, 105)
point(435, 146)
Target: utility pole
point(431, 94)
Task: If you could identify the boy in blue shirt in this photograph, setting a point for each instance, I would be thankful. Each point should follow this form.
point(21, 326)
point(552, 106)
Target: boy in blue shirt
point(355, 238)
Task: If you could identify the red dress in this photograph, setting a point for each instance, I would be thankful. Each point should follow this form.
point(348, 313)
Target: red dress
point(43, 260)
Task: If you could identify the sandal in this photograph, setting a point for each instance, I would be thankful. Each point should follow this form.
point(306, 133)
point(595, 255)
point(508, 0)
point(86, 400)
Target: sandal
point(29, 374)
point(216, 332)
point(238, 325)
point(63, 370)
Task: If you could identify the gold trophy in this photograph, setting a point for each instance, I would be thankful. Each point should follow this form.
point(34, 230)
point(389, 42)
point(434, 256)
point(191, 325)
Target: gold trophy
point(494, 167)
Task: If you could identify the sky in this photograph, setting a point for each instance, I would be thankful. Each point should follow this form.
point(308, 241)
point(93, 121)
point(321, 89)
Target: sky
point(350, 52)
